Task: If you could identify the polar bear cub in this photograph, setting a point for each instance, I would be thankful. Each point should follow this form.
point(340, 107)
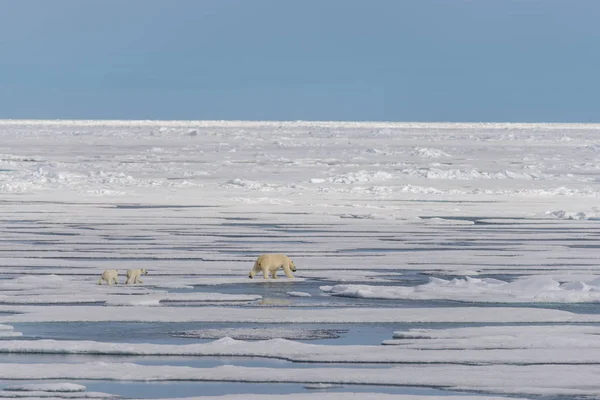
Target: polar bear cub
point(133, 275)
point(110, 276)
point(270, 263)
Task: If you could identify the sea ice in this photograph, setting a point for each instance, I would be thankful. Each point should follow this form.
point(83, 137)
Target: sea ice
point(388, 209)
point(529, 289)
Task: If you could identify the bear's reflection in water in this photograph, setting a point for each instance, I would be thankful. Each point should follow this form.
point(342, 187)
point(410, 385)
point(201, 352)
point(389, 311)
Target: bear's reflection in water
point(273, 301)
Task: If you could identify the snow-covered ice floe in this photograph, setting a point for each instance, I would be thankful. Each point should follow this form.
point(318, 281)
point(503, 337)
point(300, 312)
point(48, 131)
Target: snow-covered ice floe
point(8, 331)
point(460, 256)
point(530, 289)
point(64, 390)
point(521, 345)
point(47, 387)
point(340, 396)
point(333, 315)
point(554, 338)
point(536, 379)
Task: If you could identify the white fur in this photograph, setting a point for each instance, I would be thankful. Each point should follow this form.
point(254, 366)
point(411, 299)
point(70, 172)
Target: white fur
point(133, 275)
point(110, 276)
point(270, 263)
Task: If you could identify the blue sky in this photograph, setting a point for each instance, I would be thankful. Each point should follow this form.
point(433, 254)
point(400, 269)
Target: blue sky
point(392, 60)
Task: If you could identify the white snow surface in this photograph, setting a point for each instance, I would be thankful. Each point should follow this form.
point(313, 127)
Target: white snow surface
point(391, 226)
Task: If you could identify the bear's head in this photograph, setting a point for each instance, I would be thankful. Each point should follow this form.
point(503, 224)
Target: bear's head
point(144, 271)
point(292, 266)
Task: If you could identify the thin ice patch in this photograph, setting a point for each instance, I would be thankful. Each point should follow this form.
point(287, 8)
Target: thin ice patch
point(262, 333)
point(298, 294)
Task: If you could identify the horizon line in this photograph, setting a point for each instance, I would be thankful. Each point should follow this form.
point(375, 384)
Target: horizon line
point(324, 123)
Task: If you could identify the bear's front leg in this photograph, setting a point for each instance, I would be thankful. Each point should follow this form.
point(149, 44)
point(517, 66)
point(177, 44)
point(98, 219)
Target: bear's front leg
point(274, 274)
point(287, 271)
point(265, 273)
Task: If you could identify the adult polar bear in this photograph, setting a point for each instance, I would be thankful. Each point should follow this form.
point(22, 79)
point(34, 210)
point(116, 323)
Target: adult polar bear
point(270, 263)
